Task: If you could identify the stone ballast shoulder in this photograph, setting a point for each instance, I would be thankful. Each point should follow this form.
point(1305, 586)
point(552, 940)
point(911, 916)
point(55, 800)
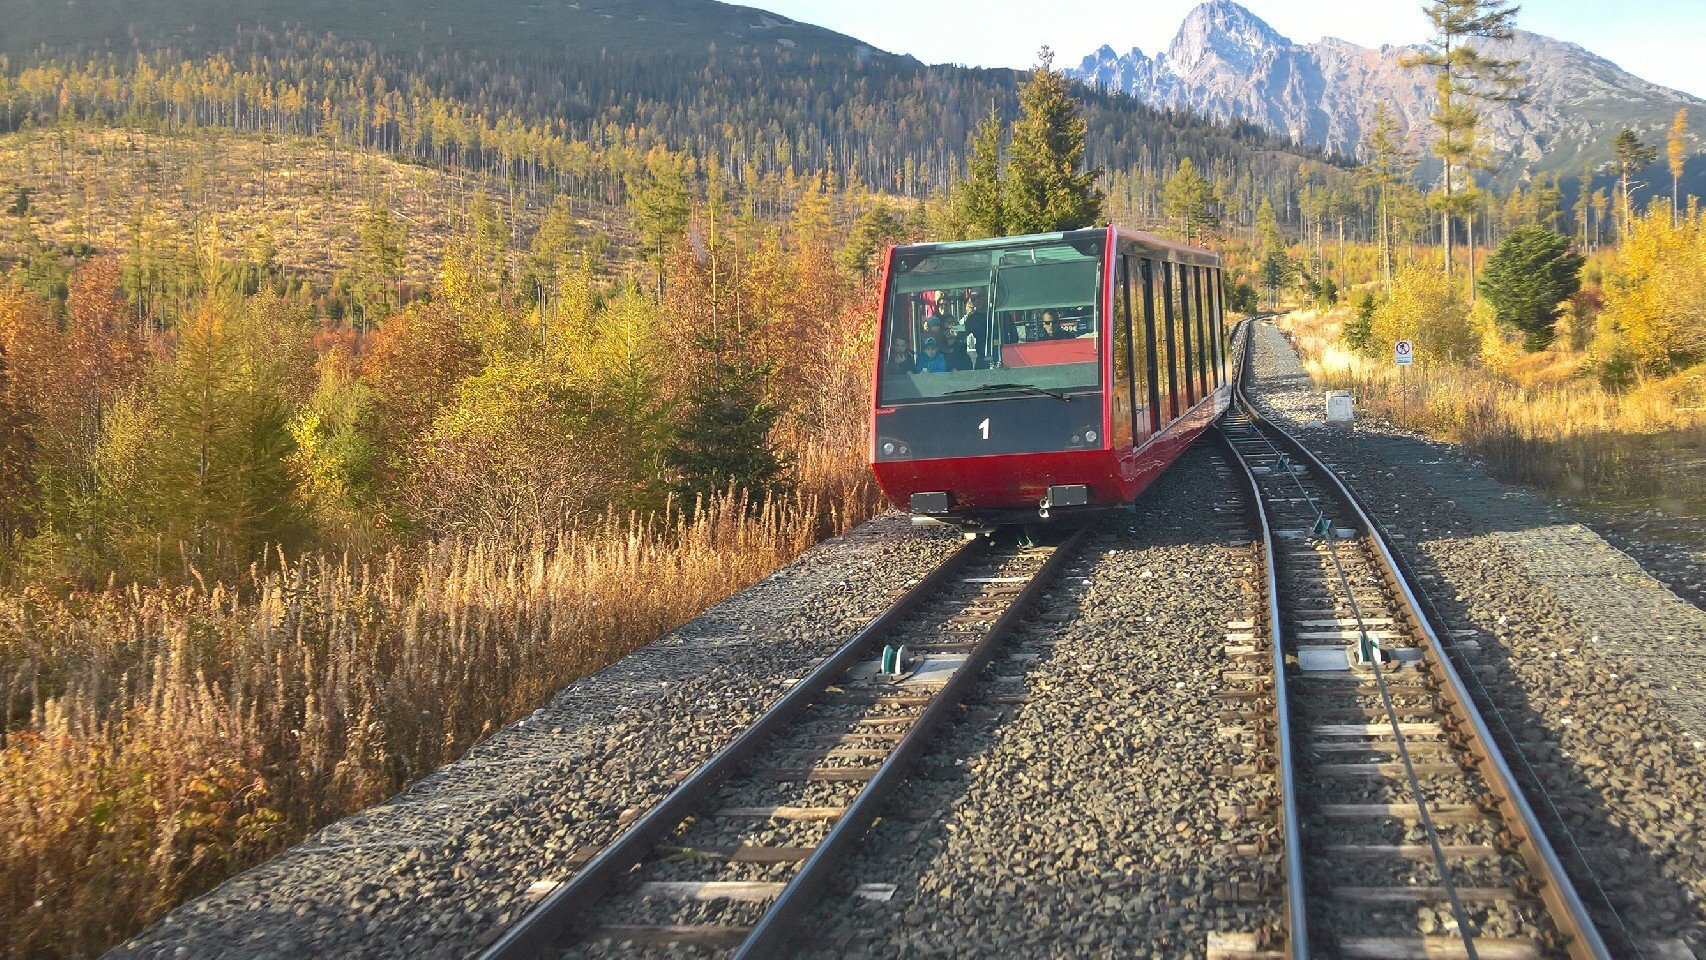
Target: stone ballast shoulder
point(1592, 664)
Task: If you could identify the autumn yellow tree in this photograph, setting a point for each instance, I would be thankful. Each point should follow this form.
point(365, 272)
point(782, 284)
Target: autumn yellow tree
point(1425, 306)
point(202, 458)
point(1655, 295)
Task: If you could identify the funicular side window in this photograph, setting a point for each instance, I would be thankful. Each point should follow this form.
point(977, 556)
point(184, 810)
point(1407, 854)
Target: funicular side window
point(1142, 353)
point(1215, 377)
point(1187, 365)
point(1220, 325)
point(1143, 279)
point(1123, 401)
point(1170, 322)
point(1205, 345)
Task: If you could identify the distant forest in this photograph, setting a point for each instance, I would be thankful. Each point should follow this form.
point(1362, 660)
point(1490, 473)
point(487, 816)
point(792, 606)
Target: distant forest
point(579, 125)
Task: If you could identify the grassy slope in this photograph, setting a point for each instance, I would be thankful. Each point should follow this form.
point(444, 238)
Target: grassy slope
point(527, 28)
point(1541, 418)
point(94, 184)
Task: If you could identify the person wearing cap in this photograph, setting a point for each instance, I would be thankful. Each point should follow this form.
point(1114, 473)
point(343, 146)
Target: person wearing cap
point(934, 327)
point(931, 359)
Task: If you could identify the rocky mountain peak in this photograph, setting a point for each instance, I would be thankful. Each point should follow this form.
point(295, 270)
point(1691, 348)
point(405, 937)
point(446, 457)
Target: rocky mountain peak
point(1224, 31)
point(1226, 63)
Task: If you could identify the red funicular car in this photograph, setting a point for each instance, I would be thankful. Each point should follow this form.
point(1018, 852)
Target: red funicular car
point(1026, 378)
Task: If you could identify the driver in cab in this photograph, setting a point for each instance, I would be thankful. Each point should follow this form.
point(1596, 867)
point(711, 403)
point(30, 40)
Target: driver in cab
point(1051, 328)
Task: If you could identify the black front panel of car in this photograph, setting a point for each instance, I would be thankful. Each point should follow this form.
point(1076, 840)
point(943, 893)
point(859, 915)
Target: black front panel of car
point(982, 428)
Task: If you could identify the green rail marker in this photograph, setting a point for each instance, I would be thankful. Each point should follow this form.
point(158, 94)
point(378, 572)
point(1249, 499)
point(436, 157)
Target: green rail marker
point(1322, 526)
point(1367, 649)
point(894, 660)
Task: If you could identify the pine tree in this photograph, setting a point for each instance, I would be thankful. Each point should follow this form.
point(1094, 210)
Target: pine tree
point(378, 266)
point(1188, 199)
point(974, 208)
point(1358, 331)
point(1632, 157)
point(1528, 277)
point(660, 206)
point(722, 435)
point(488, 243)
point(220, 474)
point(1465, 76)
point(1276, 266)
point(1386, 166)
point(1584, 204)
point(1043, 190)
point(552, 249)
point(875, 230)
point(1677, 148)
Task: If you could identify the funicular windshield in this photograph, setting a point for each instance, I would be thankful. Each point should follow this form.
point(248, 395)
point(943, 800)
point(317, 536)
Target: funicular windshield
point(993, 321)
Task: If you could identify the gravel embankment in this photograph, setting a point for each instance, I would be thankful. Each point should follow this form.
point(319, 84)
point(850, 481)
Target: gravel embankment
point(1087, 821)
point(1670, 548)
point(1595, 667)
point(438, 868)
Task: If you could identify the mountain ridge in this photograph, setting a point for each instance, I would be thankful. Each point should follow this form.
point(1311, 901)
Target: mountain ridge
point(513, 27)
point(1226, 63)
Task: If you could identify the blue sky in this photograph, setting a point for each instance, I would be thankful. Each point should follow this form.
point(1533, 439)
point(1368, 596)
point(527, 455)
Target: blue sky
point(1661, 40)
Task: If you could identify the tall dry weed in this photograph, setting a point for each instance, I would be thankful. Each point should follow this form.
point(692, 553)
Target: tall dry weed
point(1538, 419)
point(158, 739)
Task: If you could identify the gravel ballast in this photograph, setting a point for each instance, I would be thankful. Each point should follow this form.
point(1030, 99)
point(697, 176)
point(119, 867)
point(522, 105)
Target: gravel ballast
point(1087, 821)
point(442, 866)
point(1594, 667)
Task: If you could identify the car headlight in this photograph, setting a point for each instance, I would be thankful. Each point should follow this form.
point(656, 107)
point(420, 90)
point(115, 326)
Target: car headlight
point(1090, 436)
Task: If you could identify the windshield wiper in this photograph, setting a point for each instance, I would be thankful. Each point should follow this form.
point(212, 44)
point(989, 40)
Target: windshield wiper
point(1023, 387)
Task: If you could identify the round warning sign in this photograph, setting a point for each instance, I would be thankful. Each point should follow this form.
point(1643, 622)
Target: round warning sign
point(1404, 352)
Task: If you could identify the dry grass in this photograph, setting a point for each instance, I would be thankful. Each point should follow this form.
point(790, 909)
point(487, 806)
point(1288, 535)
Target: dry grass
point(160, 739)
point(236, 193)
point(1538, 418)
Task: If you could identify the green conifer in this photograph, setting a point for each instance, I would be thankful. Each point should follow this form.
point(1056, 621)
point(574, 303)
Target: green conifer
point(1528, 277)
point(1188, 200)
point(722, 435)
point(1044, 189)
point(974, 209)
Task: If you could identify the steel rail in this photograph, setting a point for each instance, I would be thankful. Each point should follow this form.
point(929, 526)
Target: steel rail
point(774, 932)
point(563, 909)
point(1556, 889)
point(1297, 906)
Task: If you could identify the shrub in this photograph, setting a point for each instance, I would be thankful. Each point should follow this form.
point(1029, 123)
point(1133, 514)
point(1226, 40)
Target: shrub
point(1655, 294)
point(1528, 277)
point(1426, 307)
point(1243, 298)
point(1358, 332)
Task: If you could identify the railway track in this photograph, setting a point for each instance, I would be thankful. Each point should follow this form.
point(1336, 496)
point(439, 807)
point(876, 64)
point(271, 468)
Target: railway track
point(1403, 832)
point(741, 850)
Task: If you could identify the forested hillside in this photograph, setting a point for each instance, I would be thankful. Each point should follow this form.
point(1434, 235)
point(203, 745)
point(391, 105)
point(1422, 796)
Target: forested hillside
point(551, 29)
point(576, 123)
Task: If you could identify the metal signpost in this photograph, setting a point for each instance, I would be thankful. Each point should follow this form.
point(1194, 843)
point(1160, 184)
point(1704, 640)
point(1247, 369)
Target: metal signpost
point(1403, 354)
